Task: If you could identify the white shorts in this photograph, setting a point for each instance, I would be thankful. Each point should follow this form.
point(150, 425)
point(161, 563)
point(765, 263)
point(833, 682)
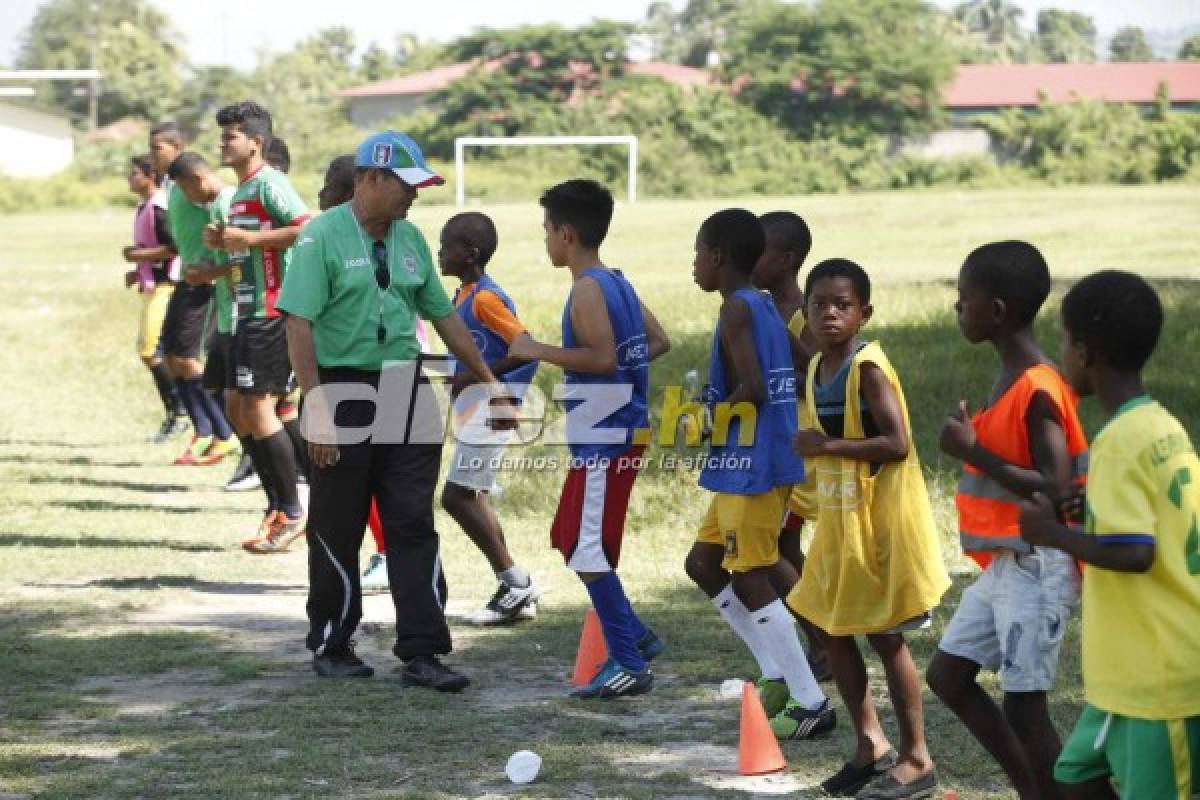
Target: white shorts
point(1013, 617)
point(478, 454)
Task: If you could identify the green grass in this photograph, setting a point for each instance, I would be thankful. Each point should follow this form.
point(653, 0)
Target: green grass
point(146, 656)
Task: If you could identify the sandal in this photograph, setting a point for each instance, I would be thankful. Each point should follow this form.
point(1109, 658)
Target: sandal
point(886, 787)
point(851, 778)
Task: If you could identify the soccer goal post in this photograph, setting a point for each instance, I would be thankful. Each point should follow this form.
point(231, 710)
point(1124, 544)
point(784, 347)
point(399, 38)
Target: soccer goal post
point(463, 142)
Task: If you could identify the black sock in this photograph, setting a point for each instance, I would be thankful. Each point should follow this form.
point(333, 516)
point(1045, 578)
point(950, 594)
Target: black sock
point(280, 459)
point(292, 426)
point(253, 447)
point(167, 392)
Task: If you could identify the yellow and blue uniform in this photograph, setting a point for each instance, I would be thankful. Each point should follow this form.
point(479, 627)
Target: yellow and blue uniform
point(751, 482)
point(1141, 632)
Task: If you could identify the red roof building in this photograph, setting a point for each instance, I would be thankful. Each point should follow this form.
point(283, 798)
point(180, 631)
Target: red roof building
point(980, 87)
point(975, 87)
point(377, 102)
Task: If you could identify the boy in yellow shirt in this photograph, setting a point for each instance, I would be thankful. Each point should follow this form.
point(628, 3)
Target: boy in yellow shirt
point(1140, 728)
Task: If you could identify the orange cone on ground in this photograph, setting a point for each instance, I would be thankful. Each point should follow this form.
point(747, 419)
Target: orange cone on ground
point(592, 650)
point(758, 750)
point(950, 795)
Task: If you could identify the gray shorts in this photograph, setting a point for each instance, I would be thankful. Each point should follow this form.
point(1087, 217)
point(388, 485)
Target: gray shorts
point(1012, 619)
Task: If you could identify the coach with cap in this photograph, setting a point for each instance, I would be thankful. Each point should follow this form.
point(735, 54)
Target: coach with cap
point(361, 274)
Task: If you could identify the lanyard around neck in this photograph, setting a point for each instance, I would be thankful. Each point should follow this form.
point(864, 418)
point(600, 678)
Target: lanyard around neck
point(367, 254)
point(381, 330)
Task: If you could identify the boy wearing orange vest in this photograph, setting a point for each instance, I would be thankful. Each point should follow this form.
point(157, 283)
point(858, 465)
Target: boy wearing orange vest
point(1027, 439)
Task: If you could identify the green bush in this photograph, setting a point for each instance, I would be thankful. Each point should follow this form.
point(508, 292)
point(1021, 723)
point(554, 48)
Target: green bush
point(67, 189)
point(1096, 142)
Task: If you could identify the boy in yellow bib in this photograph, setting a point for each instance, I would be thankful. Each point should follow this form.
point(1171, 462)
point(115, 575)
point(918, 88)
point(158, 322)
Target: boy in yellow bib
point(1140, 728)
point(874, 567)
point(777, 272)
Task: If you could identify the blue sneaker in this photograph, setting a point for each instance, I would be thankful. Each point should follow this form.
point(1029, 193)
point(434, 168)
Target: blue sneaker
point(650, 646)
point(616, 681)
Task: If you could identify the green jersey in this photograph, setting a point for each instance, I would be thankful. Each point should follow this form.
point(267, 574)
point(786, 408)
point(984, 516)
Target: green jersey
point(187, 222)
point(332, 283)
point(264, 201)
point(218, 213)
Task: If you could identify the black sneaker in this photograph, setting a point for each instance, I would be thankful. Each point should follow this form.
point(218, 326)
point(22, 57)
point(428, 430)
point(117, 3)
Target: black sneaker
point(429, 673)
point(342, 665)
point(174, 423)
point(506, 604)
point(244, 477)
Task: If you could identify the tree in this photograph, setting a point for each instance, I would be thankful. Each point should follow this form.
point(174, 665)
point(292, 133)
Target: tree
point(416, 55)
point(844, 68)
point(130, 41)
point(997, 24)
point(706, 26)
point(1129, 44)
point(377, 64)
point(208, 89)
point(525, 76)
point(1190, 49)
point(299, 88)
point(1066, 36)
point(661, 28)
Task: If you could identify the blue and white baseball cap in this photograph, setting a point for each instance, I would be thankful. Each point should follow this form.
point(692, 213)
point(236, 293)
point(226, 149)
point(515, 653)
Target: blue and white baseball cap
point(400, 154)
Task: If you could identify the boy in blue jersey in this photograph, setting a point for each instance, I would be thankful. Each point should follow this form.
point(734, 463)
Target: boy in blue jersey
point(467, 244)
point(751, 473)
point(609, 340)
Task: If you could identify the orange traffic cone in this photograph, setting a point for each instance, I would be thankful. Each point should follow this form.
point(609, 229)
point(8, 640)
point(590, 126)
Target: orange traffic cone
point(592, 650)
point(758, 751)
point(950, 795)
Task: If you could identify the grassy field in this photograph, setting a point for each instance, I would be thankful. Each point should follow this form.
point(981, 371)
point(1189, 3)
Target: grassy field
point(146, 656)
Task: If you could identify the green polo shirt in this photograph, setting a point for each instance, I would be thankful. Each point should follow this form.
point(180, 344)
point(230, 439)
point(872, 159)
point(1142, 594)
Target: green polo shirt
point(187, 222)
point(331, 282)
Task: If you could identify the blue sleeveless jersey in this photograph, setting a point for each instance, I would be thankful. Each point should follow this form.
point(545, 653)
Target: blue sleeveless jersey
point(631, 379)
point(490, 344)
point(770, 461)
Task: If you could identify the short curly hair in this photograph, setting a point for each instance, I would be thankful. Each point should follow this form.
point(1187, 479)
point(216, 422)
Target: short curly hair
point(1116, 314)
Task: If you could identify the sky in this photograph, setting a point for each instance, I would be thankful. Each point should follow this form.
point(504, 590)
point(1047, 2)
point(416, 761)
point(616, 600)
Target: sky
point(234, 32)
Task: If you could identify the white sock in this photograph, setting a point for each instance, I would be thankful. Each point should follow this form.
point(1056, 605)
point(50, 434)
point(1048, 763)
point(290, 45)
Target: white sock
point(514, 576)
point(777, 633)
point(737, 617)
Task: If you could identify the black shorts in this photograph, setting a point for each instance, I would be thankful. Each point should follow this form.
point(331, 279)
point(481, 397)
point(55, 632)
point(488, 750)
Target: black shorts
point(218, 369)
point(260, 357)
point(189, 322)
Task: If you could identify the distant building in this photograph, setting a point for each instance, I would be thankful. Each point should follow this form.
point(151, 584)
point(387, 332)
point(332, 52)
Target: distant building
point(979, 88)
point(976, 89)
point(987, 88)
point(34, 144)
point(377, 102)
